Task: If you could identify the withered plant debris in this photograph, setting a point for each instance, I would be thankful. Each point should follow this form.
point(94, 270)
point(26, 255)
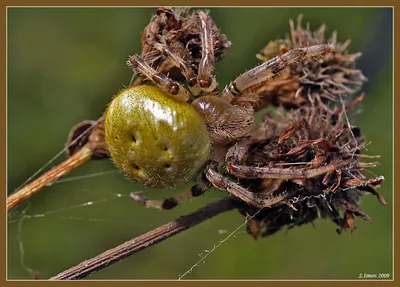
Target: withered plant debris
point(310, 81)
point(308, 148)
point(178, 32)
point(319, 161)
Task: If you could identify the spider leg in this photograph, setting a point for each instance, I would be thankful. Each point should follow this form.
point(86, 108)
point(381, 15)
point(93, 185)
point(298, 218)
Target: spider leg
point(180, 63)
point(224, 121)
point(172, 202)
point(205, 78)
point(282, 173)
point(269, 69)
point(235, 158)
point(139, 66)
point(237, 152)
point(224, 183)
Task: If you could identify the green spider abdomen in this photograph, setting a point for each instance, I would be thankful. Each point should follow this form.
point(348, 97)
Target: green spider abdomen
point(155, 138)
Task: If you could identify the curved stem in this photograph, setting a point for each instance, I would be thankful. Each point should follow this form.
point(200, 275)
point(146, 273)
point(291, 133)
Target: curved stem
point(74, 161)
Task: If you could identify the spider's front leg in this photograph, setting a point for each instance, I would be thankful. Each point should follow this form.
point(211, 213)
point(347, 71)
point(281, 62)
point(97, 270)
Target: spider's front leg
point(139, 66)
point(205, 78)
point(177, 61)
point(268, 70)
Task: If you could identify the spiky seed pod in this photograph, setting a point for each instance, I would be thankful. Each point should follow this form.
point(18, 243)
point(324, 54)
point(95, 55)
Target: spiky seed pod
point(177, 31)
point(311, 155)
point(309, 81)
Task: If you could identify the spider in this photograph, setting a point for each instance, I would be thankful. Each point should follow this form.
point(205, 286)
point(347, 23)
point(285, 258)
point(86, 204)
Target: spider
point(228, 116)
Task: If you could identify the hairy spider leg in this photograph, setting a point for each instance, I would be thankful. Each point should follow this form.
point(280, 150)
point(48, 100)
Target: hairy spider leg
point(225, 122)
point(254, 199)
point(271, 68)
point(178, 62)
point(235, 156)
point(244, 171)
point(172, 202)
point(205, 78)
point(139, 66)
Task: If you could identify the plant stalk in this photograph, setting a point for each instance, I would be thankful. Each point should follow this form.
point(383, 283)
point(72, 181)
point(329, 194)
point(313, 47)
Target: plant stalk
point(148, 239)
point(27, 191)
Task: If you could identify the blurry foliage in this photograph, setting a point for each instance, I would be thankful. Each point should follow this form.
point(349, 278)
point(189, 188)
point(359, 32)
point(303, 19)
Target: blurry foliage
point(65, 64)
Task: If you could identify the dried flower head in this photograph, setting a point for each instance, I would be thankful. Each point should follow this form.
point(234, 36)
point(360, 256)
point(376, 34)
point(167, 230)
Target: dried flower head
point(310, 156)
point(175, 31)
point(309, 81)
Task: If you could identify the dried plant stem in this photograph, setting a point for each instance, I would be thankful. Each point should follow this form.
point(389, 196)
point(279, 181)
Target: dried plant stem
point(76, 160)
point(148, 239)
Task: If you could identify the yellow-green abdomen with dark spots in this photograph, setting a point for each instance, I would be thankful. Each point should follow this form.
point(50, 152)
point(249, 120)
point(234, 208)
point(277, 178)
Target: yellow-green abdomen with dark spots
point(155, 138)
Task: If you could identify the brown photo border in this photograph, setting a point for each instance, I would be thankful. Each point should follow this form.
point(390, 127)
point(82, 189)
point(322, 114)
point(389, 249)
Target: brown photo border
point(206, 3)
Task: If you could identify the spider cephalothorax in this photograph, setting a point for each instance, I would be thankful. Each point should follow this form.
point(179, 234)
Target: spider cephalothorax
point(304, 154)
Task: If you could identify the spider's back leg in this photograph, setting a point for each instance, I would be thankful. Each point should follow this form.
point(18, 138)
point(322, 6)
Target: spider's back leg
point(254, 199)
point(173, 202)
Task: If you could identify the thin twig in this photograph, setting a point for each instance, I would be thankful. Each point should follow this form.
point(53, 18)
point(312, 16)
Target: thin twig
point(77, 159)
point(86, 141)
point(148, 239)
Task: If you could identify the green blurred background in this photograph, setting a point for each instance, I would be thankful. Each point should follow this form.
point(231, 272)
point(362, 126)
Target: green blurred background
point(63, 67)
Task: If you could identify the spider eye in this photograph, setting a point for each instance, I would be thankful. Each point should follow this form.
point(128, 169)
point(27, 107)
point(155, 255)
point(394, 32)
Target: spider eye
point(155, 138)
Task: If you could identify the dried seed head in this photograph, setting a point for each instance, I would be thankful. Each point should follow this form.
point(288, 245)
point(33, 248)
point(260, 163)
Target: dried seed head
point(88, 133)
point(318, 162)
point(176, 31)
point(311, 81)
